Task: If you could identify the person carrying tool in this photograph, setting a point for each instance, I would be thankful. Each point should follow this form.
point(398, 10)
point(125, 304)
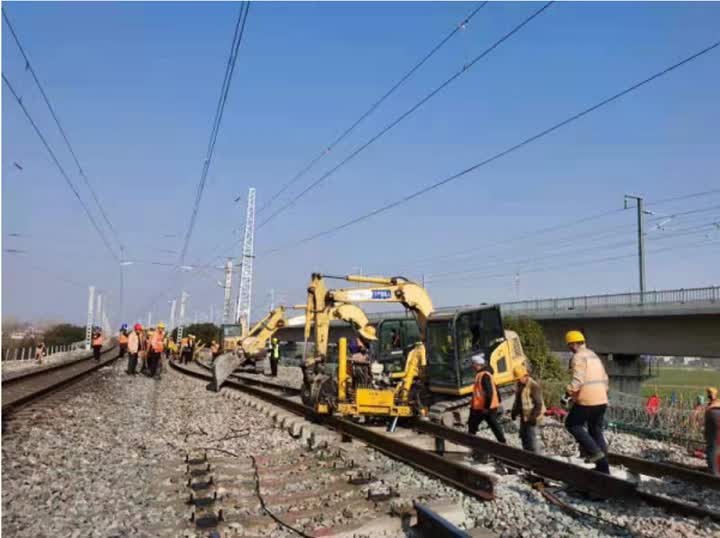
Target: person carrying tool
point(529, 406)
point(155, 349)
point(485, 399)
point(588, 392)
point(123, 339)
point(135, 346)
point(97, 342)
point(188, 349)
point(274, 357)
point(712, 431)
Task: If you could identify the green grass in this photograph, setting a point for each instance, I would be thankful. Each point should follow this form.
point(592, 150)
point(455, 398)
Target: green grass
point(686, 382)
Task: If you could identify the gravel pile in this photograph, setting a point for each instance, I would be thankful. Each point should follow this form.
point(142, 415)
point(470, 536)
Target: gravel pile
point(96, 464)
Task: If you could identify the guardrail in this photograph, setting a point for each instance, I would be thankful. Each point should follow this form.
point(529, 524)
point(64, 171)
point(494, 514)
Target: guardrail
point(28, 353)
point(648, 299)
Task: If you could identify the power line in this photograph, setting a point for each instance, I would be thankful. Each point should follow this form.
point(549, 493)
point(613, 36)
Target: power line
point(586, 262)
point(571, 249)
point(220, 109)
point(502, 153)
point(684, 197)
point(459, 27)
point(60, 168)
point(28, 66)
point(465, 68)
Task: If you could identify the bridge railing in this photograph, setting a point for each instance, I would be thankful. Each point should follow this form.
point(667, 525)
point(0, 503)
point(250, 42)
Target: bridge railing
point(27, 353)
point(647, 299)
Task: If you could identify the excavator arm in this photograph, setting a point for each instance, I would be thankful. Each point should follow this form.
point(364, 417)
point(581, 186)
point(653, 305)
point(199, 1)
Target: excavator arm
point(263, 330)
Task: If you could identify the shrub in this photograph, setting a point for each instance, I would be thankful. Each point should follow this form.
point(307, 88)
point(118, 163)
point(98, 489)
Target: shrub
point(543, 362)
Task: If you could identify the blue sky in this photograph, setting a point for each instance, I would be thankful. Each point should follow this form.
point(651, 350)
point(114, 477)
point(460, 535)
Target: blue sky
point(136, 85)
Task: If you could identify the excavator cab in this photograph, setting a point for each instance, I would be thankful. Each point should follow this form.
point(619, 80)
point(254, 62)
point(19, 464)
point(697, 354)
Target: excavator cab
point(229, 336)
point(454, 338)
point(396, 337)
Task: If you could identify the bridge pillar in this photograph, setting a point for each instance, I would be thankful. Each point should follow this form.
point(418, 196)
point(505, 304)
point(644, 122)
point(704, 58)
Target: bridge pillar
point(626, 372)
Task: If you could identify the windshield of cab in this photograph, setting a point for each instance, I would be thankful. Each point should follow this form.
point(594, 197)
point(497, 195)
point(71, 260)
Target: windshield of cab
point(478, 331)
point(442, 369)
point(230, 331)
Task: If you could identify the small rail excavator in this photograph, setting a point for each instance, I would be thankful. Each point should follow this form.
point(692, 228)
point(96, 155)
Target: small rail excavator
point(250, 349)
point(432, 375)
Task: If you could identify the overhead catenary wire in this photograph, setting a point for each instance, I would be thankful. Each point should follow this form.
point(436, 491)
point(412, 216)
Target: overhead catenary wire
point(527, 141)
point(219, 111)
point(464, 69)
point(64, 174)
point(459, 27)
point(81, 171)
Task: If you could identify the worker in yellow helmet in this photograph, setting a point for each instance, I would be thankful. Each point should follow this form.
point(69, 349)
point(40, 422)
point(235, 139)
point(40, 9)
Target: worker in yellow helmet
point(155, 349)
point(588, 392)
point(529, 406)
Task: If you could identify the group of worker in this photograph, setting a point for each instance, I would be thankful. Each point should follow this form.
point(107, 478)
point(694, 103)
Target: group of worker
point(586, 395)
point(145, 348)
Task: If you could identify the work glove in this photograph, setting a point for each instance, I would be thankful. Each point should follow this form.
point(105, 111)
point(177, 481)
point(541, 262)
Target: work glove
point(566, 401)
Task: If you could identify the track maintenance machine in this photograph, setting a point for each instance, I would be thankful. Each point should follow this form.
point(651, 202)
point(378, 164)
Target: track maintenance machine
point(248, 350)
point(433, 373)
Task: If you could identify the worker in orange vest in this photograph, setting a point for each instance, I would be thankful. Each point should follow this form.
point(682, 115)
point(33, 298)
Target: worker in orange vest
point(156, 348)
point(712, 431)
point(485, 399)
point(123, 339)
point(97, 342)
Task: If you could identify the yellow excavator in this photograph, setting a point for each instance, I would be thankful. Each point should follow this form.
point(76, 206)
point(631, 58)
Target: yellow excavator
point(410, 372)
point(250, 349)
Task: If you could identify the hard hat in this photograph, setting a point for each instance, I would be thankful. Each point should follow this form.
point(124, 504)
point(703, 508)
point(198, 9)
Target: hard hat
point(712, 392)
point(574, 337)
point(479, 359)
point(137, 327)
point(519, 371)
point(161, 325)
point(275, 340)
point(123, 327)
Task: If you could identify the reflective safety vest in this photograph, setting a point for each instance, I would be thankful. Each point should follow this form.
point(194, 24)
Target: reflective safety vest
point(98, 340)
point(589, 385)
point(276, 351)
point(123, 339)
point(184, 341)
point(479, 397)
point(156, 342)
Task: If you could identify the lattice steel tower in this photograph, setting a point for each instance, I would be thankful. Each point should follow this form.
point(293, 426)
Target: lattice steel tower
point(246, 271)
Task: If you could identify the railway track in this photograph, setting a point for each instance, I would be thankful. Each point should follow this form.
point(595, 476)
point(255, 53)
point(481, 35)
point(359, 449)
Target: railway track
point(25, 387)
point(438, 443)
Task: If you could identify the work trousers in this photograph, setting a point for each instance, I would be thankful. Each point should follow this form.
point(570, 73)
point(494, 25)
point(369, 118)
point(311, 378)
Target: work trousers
point(96, 352)
point(528, 436)
point(274, 366)
point(591, 440)
point(132, 363)
point(491, 417)
point(153, 362)
point(123, 349)
point(187, 356)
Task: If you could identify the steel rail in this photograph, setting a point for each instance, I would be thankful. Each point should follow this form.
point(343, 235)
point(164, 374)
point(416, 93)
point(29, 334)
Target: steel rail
point(665, 470)
point(462, 477)
point(578, 477)
point(21, 390)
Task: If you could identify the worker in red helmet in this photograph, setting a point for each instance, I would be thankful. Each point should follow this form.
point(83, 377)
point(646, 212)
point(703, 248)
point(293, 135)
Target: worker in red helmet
point(135, 346)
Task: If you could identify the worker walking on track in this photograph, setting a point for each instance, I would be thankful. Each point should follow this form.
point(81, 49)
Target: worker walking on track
point(712, 431)
point(97, 342)
point(123, 339)
point(485, 400)
point(135, 346)
point(529, 406)
point(274, 357)
point(588, 392)
point(156, 347)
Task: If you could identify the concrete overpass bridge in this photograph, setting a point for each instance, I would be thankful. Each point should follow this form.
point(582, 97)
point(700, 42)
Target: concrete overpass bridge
point(620, 327)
